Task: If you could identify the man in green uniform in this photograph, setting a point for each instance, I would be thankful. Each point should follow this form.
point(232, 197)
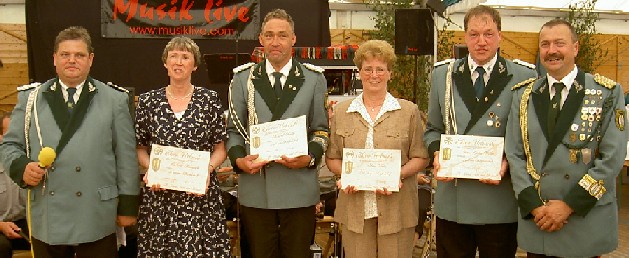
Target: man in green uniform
point(565, 153)
point(471, 96)
point(277, 197)
point(93, 183)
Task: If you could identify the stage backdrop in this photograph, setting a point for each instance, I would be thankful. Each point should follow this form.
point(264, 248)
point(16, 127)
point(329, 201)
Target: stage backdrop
point(136, 62)
point(196, 19)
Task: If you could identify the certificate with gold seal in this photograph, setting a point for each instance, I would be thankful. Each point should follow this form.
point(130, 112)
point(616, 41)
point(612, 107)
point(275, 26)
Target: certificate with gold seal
point(371, 169)
point(178, 169)
point(273, 139)
point(469, 156)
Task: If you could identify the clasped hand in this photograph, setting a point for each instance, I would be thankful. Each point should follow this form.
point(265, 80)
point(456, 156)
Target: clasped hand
point(552, 216)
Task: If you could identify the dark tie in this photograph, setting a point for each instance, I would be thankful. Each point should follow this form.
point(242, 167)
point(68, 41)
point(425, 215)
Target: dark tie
point(555, 106)
point(70, 102)
point(277, 86)
point(479, 85)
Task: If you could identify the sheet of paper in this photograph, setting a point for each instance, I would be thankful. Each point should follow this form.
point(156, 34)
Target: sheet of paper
point(273, 139)
point(178, 169)
point(371, 169)
point(469, 156)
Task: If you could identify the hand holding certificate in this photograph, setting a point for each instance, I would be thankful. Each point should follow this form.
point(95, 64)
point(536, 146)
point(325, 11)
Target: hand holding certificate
point(178, 169)
point(371, 169)
point(273, 139)
point(469, 156)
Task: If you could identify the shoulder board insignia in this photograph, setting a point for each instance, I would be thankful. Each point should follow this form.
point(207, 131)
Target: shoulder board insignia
point(28, 86)
point(522, 63)
point(243, 67)
point(442, 62)
point(313, 67)
point(525, 82)
point(116, 87)
point(604, 81)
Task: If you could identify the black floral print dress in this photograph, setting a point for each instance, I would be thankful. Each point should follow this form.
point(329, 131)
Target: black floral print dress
point(175, 223)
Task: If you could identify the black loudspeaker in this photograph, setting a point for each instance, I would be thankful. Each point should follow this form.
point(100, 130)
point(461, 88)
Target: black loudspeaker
point(414, 32)
point(219, 71)
point(436, 6)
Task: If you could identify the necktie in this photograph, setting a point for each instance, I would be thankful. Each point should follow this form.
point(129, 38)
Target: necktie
point(277, 86)
point(70, 102)
point(479, 85)
point(555, 106)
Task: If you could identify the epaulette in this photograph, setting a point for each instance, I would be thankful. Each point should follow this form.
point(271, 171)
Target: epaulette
point(604, 81)
point(28, 86)
point(522, 63)
point(525, 82)
point(116, 87)
point(243, 67)
point(442, 62)
point(314, 67)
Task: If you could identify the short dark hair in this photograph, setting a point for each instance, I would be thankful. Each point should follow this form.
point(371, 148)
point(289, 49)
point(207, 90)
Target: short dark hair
point(481, 10)
point(74, 33)
point(559, 21)
point(279, 14)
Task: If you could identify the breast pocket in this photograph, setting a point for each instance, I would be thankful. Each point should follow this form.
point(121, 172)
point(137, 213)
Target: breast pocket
point(348, 138)
point(393, 140)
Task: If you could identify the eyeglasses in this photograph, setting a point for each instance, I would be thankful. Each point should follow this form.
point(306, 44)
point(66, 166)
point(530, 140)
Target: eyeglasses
point(370, 70)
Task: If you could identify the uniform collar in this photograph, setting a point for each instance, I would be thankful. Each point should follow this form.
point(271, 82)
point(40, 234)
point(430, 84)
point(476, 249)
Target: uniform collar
point(566, 80)
point(285, 69)
point(64, 87)
point(489, 66)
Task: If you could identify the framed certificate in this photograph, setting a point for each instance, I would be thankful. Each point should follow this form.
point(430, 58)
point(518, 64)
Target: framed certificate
point(469, 156)
point(178, 169)
point(273, 139)
point(371, 169)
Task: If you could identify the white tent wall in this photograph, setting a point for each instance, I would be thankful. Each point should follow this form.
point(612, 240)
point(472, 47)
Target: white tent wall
point(530, 19)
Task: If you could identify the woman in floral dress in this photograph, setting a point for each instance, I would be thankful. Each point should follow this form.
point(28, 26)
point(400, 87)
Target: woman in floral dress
point(175, 223)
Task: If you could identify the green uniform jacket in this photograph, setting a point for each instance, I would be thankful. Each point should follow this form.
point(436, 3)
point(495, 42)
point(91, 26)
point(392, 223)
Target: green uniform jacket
point(468, 201)
point(95, 175)
point(591, 123)
point(278, 187)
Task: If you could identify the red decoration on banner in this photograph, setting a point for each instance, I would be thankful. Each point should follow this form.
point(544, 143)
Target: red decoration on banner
point(341, 52)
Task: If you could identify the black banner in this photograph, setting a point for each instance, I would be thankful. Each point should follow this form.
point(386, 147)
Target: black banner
point(200, 19)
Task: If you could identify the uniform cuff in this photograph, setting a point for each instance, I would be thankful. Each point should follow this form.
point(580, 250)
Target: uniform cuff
point(128, 205)
point(528, 200)
point(16, 170)
point(315, 149)
point(235, 153)
point(580, 200)
point(432, 147)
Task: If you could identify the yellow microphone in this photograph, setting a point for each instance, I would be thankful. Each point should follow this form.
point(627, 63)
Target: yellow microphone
point(46, 157)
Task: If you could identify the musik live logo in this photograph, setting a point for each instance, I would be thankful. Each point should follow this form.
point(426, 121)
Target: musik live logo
point(180, 10)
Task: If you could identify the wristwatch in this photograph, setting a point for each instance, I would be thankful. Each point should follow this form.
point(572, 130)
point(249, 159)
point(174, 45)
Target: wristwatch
point(312, 160)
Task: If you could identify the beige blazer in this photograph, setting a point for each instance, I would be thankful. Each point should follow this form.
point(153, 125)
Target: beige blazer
point(399, 129)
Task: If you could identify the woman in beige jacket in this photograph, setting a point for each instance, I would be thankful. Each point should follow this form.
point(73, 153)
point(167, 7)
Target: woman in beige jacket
point(377, 223)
